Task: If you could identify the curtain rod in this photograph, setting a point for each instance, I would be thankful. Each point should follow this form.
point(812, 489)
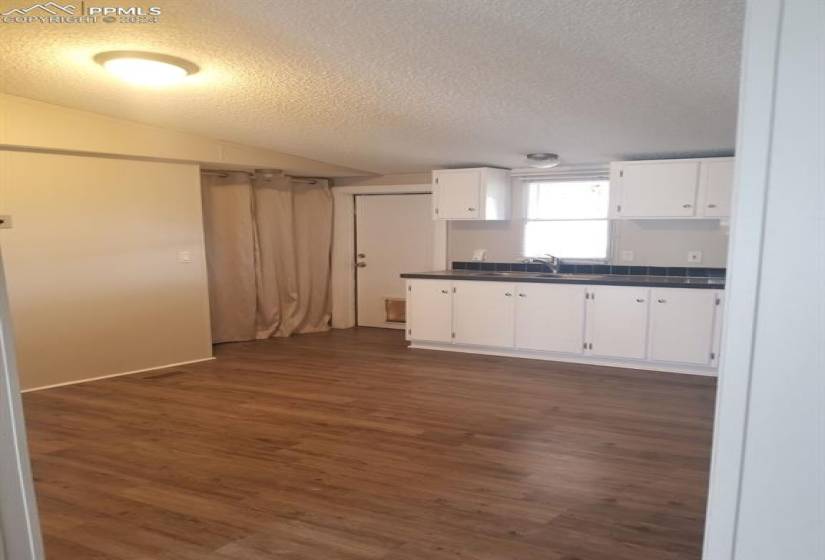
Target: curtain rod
point(226, 172)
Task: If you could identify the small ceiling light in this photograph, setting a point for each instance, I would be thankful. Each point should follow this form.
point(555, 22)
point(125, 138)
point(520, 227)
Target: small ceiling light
point(146, 68)
point(542, 160)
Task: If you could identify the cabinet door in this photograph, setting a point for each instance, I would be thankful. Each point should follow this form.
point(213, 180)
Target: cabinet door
point(550, 317)
point(458, 194)
point(617, 321)
point(681, 325)
point(717, 186)
point(429, 310)
point(483, 313)
point(650, 190)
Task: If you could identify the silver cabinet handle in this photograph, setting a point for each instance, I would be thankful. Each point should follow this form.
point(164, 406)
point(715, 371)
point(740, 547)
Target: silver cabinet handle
point(361, 264)
point(522, 295)
point(444, 292)
point(661, 300)
point(508, 294)
point(362, 256)
point(687, 205)
point(471, 209)
point(711, 206)
point(640, 300)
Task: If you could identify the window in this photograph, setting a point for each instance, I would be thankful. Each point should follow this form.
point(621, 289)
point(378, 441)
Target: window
point(567, 219)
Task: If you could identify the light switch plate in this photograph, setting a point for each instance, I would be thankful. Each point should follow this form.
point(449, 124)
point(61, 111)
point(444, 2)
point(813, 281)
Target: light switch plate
point(5, 221)
point(694, 256)
point(628, 256)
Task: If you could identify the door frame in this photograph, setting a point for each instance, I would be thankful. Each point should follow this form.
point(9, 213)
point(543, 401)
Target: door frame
point(343, 246)
point(19, 521)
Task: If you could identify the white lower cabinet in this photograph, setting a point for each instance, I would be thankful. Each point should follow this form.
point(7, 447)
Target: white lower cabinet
point(658, 328)
point(681, 325)
point(483, 313)
point(550, 317)
point(617, 321)
point(429, 310)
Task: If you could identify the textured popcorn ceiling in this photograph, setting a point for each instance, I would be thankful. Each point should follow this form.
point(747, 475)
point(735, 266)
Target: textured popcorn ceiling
point(407, 85)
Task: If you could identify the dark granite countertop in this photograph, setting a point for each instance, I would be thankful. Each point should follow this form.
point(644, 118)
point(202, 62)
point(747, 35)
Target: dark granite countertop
point(592, 279)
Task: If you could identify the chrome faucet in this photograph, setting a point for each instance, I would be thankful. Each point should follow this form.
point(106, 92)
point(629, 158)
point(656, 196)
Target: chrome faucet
point(551, 261)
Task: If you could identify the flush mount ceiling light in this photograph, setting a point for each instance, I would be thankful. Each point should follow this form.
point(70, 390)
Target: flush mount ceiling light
point(146, 68)
point(542, 160)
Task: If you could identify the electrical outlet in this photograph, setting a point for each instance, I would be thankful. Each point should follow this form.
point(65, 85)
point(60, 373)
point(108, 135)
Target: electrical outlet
point(628, 256)
point(694, 256)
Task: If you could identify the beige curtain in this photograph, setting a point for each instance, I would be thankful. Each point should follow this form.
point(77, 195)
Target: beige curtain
point(230, 255)
point(290, 227)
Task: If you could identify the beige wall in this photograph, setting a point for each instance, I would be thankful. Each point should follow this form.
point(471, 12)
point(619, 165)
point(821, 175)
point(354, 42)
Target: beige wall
point(94, 281)
point(654, 242)
point(34, 125)
point(382, 180)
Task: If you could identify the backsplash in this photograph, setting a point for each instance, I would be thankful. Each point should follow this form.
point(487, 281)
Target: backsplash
point(568, 268)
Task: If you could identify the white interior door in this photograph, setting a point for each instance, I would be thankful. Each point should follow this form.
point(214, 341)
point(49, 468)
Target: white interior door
point(19, 522)
point(394, 234)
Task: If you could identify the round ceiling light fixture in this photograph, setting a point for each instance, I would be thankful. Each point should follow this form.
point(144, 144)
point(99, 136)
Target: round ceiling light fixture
point(146, 68)
point(542, 160)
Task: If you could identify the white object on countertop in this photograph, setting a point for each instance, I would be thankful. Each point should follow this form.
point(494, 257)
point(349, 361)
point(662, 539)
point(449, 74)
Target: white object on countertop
point(480, 254)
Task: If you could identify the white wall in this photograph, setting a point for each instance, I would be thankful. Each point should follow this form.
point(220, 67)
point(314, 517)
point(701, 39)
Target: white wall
point(93, 278)
point(767, 493)
point(654, 242)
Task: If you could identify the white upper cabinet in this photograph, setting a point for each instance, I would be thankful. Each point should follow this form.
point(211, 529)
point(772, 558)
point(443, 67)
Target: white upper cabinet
point(716, 185)
point(484, 313)
point(481, 193)
point(684, 188)
point(617, 321)
point(550, 317)
point(657, 189)
point(429, 310)
point(681, 325)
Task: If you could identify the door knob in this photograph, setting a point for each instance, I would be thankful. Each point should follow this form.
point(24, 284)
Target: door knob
point(361, 255)
point(361, 264)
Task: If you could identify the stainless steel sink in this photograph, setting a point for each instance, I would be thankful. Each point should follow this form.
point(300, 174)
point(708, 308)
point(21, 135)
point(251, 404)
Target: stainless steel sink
point(570, 276)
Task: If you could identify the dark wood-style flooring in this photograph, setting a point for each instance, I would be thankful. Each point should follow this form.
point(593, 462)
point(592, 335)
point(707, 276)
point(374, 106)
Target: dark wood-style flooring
point(347, 445)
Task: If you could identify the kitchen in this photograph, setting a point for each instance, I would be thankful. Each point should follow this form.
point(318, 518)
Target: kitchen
point(650, 317)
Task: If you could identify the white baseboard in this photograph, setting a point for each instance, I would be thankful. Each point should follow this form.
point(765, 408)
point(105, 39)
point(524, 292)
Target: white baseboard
point(64, 384)
point(588, 360)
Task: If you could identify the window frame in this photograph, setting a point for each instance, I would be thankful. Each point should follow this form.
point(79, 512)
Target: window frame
point(525, 213)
